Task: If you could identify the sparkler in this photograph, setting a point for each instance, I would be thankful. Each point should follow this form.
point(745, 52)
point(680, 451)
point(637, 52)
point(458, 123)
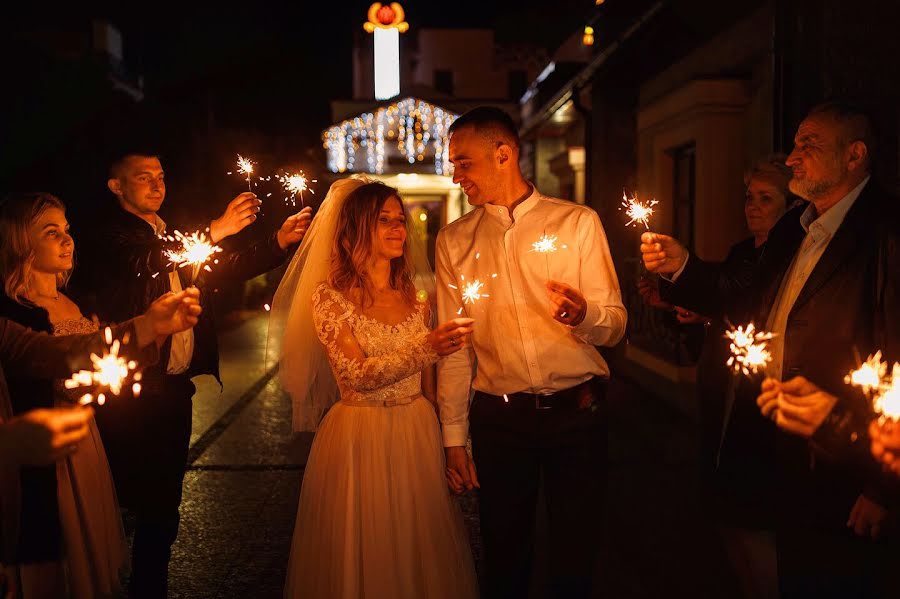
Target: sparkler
point(637, 211)
point(295, 184)
point(749, 349)
point(471, 291)
point(244, 167)
point(196, 250)
point(884, 390)
point(547, 245)
point(111, 371)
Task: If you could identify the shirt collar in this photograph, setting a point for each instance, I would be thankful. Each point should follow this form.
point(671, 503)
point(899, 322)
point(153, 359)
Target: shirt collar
point(519, 211)
point(159, 227)
point(834, 216)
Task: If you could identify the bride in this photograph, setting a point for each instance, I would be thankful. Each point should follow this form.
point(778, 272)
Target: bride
point(376, 518)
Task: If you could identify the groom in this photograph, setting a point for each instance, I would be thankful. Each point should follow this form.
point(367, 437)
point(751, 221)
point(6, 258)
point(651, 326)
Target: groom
point(539, 384)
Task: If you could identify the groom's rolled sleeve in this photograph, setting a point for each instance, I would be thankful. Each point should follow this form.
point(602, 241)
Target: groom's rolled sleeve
point(606, 317)
point(455, 371)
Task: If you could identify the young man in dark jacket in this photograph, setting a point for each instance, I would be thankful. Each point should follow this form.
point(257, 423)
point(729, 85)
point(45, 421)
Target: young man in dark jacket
point(122, 267)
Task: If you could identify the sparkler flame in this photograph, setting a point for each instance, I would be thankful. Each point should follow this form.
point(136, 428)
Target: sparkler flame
point(637, 211)
point(295, 184)
point(872, 377)
point(545, 245)
point(245, 167)
point(749, 349)
point(196, 249)
point(471, 291)
point(110, 372)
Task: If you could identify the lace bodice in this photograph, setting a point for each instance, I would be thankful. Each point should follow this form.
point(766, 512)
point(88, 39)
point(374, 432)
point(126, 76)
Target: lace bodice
point(74, 326)
point(371, 360)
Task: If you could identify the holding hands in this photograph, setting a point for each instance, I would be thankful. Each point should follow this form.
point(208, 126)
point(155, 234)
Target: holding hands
point(567, 304)
point(239, 213)
point(461, 474)
point(661, 253)
point(451, 336)
point(797, 406)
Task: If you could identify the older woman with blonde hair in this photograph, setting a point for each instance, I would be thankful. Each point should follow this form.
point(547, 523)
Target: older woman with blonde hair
point(71, 541)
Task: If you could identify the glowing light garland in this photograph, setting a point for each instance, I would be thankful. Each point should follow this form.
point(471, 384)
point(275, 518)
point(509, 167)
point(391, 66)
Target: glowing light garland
point(417, 128)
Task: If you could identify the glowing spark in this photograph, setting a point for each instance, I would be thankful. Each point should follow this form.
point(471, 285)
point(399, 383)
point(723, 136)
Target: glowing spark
point(869, 376)
point(267, 307)
point(196, 250)
point(545, 245)
point(110, 371)
point(471, 292)
point(637, 211)
point(295, 184)
point(245, 167)
point(749, 349)
point(872, 377)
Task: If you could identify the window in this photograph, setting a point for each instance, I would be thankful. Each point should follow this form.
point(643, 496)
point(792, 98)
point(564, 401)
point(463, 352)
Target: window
point(683, 186)
point(443, 81)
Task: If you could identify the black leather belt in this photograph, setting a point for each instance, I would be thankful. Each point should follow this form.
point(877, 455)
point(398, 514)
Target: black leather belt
point(581, 395)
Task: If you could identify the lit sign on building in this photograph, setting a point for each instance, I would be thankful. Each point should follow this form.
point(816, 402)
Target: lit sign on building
point(386, 23)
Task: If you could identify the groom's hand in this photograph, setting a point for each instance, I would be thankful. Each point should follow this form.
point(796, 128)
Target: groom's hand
point(461, 475)
point(567, 304)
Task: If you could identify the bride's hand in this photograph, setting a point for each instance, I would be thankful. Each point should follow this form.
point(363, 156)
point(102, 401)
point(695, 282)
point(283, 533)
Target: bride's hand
point(451, 336)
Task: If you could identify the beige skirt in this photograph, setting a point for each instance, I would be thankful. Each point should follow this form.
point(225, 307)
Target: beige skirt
point(376, 518)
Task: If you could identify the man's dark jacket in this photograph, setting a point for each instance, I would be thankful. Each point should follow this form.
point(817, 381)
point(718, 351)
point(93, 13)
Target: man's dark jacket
point(848, 308)
point(122, 268)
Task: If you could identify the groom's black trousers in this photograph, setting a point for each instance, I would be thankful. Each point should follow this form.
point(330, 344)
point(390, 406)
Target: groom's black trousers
point(146, 440)
point(516, 444)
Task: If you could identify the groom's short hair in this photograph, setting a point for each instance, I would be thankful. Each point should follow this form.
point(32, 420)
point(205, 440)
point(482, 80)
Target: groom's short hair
point(491, 122)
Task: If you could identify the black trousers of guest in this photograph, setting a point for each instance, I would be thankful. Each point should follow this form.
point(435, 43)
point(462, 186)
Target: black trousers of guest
point(146, 441)
point(515, 444)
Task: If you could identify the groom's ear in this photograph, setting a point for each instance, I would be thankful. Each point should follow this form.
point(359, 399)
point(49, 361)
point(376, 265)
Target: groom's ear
point(504, 155)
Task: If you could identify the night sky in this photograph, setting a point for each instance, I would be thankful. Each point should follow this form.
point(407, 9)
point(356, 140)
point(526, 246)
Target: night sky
point(260, 79)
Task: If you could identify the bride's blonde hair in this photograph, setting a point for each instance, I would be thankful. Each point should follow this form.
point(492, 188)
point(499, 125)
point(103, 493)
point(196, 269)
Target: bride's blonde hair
point(353, 245)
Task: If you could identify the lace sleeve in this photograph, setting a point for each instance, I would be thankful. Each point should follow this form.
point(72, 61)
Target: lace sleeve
point(351, 367)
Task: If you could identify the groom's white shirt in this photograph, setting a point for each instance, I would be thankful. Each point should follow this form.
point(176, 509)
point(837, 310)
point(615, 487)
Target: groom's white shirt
point(517, 345)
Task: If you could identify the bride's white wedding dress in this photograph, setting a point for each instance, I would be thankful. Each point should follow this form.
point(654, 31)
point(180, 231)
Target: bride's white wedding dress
point(376, 518)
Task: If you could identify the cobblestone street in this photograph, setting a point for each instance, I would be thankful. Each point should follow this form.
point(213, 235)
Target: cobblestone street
point(243, 482)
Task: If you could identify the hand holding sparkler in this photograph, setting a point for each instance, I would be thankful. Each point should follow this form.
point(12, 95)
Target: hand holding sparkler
point(240, 212)
point(294, 228)
point(661, 253)
point(170, 313)
point(797, 406)
point(567, 304)
point(451, 336)
point(42, 436)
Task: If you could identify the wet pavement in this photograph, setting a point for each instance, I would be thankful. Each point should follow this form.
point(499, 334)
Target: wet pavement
point(243, 482)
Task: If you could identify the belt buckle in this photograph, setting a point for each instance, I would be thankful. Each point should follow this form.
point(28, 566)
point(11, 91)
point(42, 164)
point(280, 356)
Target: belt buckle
point(537, 402)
